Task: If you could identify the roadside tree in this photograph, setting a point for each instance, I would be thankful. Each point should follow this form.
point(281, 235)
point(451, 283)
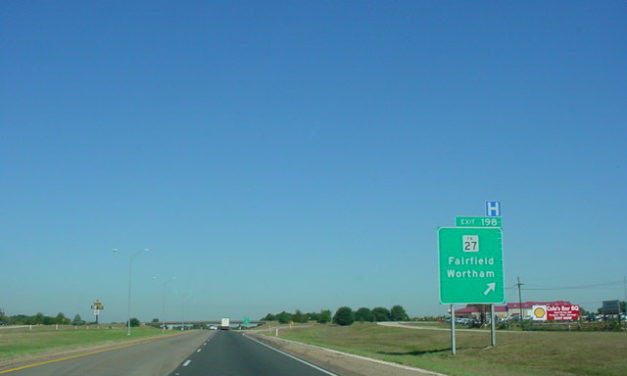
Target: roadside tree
point(344, 316)
point(61, 319)
point(38, 318)
point(397, 313)
point(269, 317)
point(284, 317)
point(299, 316)
point(381, 314)
point(364, 314)
point(78, 320)
point(324, 316)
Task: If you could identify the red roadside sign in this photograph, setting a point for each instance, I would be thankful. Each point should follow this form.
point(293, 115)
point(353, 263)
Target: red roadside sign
point(547, 312)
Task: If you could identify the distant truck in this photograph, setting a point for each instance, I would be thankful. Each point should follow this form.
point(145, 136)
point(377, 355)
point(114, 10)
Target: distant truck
point(225, 324)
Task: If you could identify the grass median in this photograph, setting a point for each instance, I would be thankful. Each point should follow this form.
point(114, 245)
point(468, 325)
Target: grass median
point(16, 344)
point(516, 354)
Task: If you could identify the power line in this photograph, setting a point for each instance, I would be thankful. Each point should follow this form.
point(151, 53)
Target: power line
point(612, 283)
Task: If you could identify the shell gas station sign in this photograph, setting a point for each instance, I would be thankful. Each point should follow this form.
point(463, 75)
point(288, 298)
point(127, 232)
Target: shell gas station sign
point(568, 312)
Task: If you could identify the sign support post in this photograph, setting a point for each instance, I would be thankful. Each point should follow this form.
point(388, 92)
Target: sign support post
point(493, 326)
point(453, 349)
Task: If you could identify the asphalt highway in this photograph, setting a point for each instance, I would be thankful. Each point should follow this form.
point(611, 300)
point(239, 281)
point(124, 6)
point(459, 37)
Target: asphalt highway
point(201, 353)
point(233, 354)
point(157, 358)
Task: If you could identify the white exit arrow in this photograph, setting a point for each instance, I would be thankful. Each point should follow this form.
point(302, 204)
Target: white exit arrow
point(491, 287)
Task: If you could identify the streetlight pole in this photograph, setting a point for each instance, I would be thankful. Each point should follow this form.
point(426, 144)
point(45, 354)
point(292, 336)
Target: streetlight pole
point(163, 296)
point(131, 257)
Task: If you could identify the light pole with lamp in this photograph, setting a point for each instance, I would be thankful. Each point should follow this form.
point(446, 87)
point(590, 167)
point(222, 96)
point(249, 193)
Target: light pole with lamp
point(131, 257)
point(163, 290)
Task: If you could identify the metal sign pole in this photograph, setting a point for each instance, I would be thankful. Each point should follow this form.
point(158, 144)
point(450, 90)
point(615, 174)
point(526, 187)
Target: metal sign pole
point(493, 325)
point(453, 349)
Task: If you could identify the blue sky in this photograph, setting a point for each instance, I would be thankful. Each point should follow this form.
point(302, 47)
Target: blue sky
point(301, 154)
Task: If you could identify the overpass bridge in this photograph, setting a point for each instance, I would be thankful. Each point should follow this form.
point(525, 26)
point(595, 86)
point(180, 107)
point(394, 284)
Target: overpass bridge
point(178, 324)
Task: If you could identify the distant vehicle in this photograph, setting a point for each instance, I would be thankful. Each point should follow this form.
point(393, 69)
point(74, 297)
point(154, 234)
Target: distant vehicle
point(213, 327)
point(225, 323)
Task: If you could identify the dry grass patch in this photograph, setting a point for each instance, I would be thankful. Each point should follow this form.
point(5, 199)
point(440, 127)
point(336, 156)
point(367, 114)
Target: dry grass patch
point(516, 354)
point(20, 343)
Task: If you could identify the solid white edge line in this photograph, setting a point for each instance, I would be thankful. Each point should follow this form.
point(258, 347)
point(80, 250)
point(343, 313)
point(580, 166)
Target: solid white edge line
point(409, 368)
point(186, 363)
point(293, 357)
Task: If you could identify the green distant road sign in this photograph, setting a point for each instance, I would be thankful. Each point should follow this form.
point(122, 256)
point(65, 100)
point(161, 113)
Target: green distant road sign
point(246, 321)
point(478, 221)
point(471, 265)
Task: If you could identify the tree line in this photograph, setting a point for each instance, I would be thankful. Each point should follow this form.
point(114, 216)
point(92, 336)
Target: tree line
point(40, 319)
point(343, 315)
point(322, 317)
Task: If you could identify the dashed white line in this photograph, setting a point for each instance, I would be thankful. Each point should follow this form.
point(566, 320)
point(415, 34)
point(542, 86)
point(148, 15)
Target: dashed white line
point(198, 350)
point(186, 363)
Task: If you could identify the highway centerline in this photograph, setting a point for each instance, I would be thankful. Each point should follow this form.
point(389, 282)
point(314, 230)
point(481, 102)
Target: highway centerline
point(231, 353)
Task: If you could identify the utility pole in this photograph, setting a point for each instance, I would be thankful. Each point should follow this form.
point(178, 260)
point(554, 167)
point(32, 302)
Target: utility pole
point(520, 299)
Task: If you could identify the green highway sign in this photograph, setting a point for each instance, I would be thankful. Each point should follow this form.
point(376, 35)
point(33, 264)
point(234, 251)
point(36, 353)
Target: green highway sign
point(471, 265)
point(246, 321)
point(478, 221)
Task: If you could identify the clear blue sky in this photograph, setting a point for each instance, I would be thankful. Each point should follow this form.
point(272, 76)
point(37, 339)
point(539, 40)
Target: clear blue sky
point(301, 154)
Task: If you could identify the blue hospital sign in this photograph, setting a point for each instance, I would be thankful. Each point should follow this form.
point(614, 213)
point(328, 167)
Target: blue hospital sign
point(493, 208)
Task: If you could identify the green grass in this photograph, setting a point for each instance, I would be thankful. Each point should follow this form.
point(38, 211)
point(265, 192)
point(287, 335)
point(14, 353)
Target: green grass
point(20, 343)
point(516, 354)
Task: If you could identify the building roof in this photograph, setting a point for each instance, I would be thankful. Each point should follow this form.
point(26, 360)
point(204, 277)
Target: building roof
point(511, 306)
point(528, 305)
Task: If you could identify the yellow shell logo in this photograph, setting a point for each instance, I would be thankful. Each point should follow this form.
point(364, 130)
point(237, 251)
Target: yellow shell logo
point(539, 312)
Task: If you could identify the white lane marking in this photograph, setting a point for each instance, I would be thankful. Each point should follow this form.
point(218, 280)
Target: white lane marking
point(415, 369)
point(293, 357)
point(186, 363)
point(198, 350)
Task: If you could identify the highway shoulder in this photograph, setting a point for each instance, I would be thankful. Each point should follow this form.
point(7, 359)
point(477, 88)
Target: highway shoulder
point(340, 362)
